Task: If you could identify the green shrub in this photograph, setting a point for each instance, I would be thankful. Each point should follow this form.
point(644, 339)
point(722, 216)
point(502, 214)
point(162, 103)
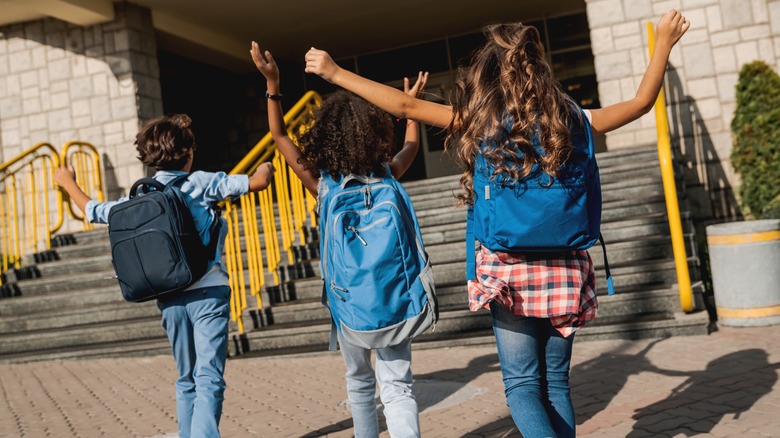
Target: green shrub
point(756, 128)
point(772, 209)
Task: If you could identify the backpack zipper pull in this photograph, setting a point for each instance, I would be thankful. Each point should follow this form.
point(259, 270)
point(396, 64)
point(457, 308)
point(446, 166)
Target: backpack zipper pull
point(354, 230)
point(340, 289)
point(367, 197)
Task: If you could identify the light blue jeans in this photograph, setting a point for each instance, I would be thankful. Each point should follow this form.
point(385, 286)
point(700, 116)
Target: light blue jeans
point(535, 361)
point(394, 373)
point(197, 327)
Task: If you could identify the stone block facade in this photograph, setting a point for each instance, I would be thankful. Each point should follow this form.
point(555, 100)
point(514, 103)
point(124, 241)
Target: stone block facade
point(61, 82)
point(700, 82)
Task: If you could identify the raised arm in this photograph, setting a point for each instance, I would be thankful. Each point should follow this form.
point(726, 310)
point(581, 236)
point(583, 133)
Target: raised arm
point(283, 141)
point(670, 28)
point(394, 101)
point(403, 159)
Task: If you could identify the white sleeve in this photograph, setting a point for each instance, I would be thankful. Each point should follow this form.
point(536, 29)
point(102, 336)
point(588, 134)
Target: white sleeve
point(589, 116)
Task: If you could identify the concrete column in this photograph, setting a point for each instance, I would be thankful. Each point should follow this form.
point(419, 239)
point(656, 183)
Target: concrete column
point(61, 82)
point(700, 81)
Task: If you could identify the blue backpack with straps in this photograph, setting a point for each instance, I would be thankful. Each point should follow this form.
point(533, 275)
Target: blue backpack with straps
point(378, 280)
point(538, 213)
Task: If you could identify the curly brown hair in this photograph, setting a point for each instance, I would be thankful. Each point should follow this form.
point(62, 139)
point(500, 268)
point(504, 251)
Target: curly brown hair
point(504, 98)
point(165, 142)
point(348, 135)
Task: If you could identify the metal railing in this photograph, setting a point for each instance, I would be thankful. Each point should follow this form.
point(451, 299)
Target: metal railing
point(28, 192)
point(295, 207)
point(670, 191)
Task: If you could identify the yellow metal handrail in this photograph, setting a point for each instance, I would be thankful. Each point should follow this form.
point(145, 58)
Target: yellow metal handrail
point(295, 206)
point(26, 223)
point(670, 191)
point(27, 192)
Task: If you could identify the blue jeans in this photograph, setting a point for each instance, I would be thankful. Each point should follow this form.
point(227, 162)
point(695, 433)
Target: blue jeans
point(197, 327)
point(535, 362)
point(394, 373)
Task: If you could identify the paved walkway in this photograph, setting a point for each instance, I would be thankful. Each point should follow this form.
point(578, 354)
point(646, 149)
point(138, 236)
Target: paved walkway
point(721, 385)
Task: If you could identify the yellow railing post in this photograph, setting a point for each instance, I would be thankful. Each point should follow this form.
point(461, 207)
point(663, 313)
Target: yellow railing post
point(294, 204)
point(670, 191)
point(25, 197)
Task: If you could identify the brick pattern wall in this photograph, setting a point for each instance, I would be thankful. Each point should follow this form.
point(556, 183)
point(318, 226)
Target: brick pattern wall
point(724, 35)
point(62, 82)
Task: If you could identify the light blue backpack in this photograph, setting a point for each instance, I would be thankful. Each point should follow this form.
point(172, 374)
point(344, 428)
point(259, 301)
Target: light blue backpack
point(538, 213)
point(378, 280)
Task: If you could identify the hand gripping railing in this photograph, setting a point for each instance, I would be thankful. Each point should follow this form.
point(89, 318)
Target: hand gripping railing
point(670, 191)
point(31, 203)
point(85, 160)
point(294, 205)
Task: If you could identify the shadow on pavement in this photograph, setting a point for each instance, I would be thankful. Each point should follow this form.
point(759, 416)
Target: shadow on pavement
point(594, 383)
point(449, 382)
point(730, 385)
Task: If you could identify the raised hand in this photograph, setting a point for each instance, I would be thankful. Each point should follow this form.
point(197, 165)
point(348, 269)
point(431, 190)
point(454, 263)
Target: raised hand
point(671, 27)
point(320, 63)
point(267, 65)
point(418, 89)
point(262, 177)
point(63, 175)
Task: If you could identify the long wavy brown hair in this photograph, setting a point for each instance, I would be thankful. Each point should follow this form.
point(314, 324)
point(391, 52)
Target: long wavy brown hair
point(349, 135)
point(505, 97)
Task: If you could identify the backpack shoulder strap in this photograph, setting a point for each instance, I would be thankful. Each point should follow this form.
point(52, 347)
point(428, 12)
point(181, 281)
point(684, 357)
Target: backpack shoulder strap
point(145, 184)
point(588, 131)
point(610, 284)
point(471, 256)
point(178, 180)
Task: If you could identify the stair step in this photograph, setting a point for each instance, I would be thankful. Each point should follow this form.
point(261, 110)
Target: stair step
point(142, 348)
point(78, 316)
point(118, 331)
point(60, 300)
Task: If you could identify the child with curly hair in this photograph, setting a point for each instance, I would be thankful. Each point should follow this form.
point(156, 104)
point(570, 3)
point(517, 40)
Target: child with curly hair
point(351, 136)
point(195, 320)
point(510, 112)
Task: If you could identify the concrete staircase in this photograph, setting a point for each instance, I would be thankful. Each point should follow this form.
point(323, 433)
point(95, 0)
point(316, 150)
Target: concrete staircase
point(71, 306)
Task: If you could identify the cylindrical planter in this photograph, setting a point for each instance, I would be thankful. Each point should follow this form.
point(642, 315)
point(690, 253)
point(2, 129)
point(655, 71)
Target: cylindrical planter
point(745, 265)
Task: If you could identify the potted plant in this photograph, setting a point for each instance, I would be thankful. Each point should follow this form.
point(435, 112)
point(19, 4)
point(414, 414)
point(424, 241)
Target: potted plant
point(745, 256)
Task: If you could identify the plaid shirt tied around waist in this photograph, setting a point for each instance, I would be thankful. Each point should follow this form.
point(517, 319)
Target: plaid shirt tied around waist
point(560, 286)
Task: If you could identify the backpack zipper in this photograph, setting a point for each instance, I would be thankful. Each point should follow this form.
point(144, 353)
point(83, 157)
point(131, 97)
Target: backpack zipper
point(354, 230)
point(328, 224)
point(340, 289)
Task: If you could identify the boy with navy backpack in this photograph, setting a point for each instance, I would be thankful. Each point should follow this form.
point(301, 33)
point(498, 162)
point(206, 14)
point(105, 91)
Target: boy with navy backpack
point(532, 181)
point(378, 282)
point(195, 317)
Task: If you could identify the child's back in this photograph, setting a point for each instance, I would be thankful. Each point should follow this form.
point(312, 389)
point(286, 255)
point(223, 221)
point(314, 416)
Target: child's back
point(378, 282)
point(195, 319)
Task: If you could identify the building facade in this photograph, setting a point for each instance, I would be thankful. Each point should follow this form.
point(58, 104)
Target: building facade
point(95, 71)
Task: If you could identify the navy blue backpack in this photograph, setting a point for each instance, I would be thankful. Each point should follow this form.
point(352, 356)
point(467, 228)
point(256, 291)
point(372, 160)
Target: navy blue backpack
point(379, 283)
point(538, 213)
point(155, 247)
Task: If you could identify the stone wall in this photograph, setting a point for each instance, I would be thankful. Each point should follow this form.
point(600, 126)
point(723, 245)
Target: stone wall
point(700, 81)
point(61, 82)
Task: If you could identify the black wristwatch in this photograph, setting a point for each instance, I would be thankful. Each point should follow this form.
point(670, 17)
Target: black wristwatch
point(273, 96)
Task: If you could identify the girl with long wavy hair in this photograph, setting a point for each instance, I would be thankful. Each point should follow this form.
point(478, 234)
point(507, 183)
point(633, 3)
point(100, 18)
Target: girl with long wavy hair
point(349, 135)
point(508, 98)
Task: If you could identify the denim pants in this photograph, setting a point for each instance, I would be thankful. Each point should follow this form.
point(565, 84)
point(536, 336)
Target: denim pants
point(535, 362)
point(197, 327)
point(394, 373)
